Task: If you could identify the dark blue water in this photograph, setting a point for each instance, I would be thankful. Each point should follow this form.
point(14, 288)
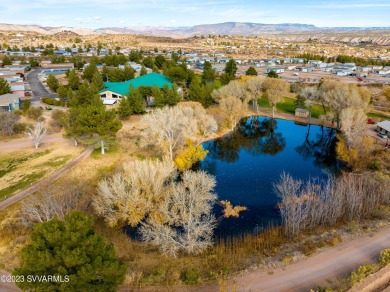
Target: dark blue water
point(247, 162)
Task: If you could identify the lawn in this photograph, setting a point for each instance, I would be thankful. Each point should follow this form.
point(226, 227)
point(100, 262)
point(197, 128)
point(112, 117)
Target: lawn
point(378, 116)
point(288, 106)
point(20, 169)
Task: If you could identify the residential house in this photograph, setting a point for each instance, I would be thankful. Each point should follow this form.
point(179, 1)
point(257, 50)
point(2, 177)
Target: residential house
point(384, 127)
point(9, 102)
point(114, 91)
point(275, 69)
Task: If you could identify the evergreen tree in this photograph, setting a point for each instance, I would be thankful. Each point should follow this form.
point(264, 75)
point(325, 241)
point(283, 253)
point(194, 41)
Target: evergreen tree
point(173, 96)
point(85, 95)
point(7, 60)
point(62, 91)
point(128, 73)
point(251, 72)
point(89, 72)
point(143, 71)
point(97, 81)
point(52, 82)
point(73, 80)
point(70, 248)
point(136, 101)
point(208, 75)
point(4, 87)
point(159, 97)
point(272, 74)
point(231, 68)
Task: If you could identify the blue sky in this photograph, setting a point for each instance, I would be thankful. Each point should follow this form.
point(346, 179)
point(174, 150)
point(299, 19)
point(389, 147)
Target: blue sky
point(121, 13)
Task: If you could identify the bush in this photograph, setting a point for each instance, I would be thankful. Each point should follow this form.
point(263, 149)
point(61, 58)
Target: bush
point(51, 101)
point(34, 113)
point(385, 257)
point(26, 105)
point(190, 276)
point(58, 118)
point(361, 273)
point(374, 165)
point(20, 128)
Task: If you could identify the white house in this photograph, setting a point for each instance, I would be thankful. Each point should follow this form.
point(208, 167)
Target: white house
point(277, 70)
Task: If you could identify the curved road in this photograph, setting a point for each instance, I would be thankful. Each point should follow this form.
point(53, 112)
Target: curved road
point(26, 192)
point(37, 88)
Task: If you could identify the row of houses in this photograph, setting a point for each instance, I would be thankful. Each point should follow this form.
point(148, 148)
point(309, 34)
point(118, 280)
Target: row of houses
point(14, 75)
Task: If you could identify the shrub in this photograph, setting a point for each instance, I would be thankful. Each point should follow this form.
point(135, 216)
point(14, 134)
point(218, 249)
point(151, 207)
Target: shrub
point(361, 273)
point(385, 257)
point(34, 113)
point(374, 165)
point(20, 128)
point(51, 101)
point(26, 105)
point(190, 276)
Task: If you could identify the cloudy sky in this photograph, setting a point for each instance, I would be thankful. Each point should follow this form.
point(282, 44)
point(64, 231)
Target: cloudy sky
point(121, 13)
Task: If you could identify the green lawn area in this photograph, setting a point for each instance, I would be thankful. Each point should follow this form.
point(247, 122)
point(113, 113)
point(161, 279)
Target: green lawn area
point(379, 116)
point(288, 106)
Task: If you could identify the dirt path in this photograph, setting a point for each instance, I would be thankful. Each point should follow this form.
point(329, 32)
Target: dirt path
point(15, 198)
point(26, 142)
point(317, 269)
point(7, 286)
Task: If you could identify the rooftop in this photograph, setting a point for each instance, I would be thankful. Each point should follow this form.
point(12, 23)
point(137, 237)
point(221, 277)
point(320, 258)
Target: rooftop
point(7, 99)
point(385, 125)
point(149, 80)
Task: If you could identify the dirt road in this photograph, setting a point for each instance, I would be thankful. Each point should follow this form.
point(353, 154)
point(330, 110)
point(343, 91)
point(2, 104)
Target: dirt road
point(319, 268)
point(26, 142)
point(6, 286)
point(17, 197)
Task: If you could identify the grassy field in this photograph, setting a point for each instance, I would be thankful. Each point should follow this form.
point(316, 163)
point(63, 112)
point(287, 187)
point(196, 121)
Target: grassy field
point(378, 116)
point(288, 106)
point(19, 169)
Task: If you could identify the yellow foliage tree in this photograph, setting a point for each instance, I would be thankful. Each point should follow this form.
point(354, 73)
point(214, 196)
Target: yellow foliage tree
point(189, 156)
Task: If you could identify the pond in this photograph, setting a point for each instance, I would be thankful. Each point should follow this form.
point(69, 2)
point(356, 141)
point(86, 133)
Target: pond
point(249, 160)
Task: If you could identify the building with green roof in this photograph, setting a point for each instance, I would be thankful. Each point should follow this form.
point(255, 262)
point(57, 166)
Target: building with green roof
point(116, 90)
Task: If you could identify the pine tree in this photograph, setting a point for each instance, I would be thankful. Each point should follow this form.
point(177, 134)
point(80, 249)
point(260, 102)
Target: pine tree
point(72, 250)
point(124, 109)
point(251, 72)
point(52, 82)
point(173, 96)
point(143, 71)
point(89, 72)
point(159, 97)
point(73, 80)
point(136, 101)
point(208, 75)
point(97, 80)
point(4, 87)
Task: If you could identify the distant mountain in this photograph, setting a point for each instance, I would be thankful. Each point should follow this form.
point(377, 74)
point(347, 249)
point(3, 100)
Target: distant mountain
point(227, 28)
point(45, 30)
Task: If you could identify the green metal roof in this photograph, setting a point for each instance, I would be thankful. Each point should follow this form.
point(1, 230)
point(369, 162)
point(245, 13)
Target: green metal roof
point(148, 80)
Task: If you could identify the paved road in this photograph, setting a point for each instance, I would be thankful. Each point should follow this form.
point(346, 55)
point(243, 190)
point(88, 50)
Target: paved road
point(6, 286)
point(37, 88)
point(17, 197)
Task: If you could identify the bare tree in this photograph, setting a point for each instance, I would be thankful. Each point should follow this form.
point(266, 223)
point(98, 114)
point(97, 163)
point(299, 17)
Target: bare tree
point(254, 89)
point(8, 122)
point(275, 89)
point(311, 95)
point(233, 107)
point(339, 96)
point(326, 202)
point(353, 124)
point(206, 124)
point(189, 223)
point(175, 215)
point(168, 127)
point(234, 88)
point(134, 193)
point(37, 133)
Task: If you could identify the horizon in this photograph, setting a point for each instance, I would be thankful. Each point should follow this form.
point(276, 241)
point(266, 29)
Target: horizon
point(174, 13)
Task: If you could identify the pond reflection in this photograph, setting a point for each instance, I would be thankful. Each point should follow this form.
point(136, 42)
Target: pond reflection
point(247, 161)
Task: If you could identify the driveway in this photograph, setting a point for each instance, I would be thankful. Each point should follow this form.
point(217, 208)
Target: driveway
point(37, 88)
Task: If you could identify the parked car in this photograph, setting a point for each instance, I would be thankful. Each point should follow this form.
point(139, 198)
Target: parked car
point(371, 122)
point(382, 135)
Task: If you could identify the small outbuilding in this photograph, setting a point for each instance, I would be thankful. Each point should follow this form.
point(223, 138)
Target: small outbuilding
point(9, 102)
point(301, 112)
point(383, 127)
